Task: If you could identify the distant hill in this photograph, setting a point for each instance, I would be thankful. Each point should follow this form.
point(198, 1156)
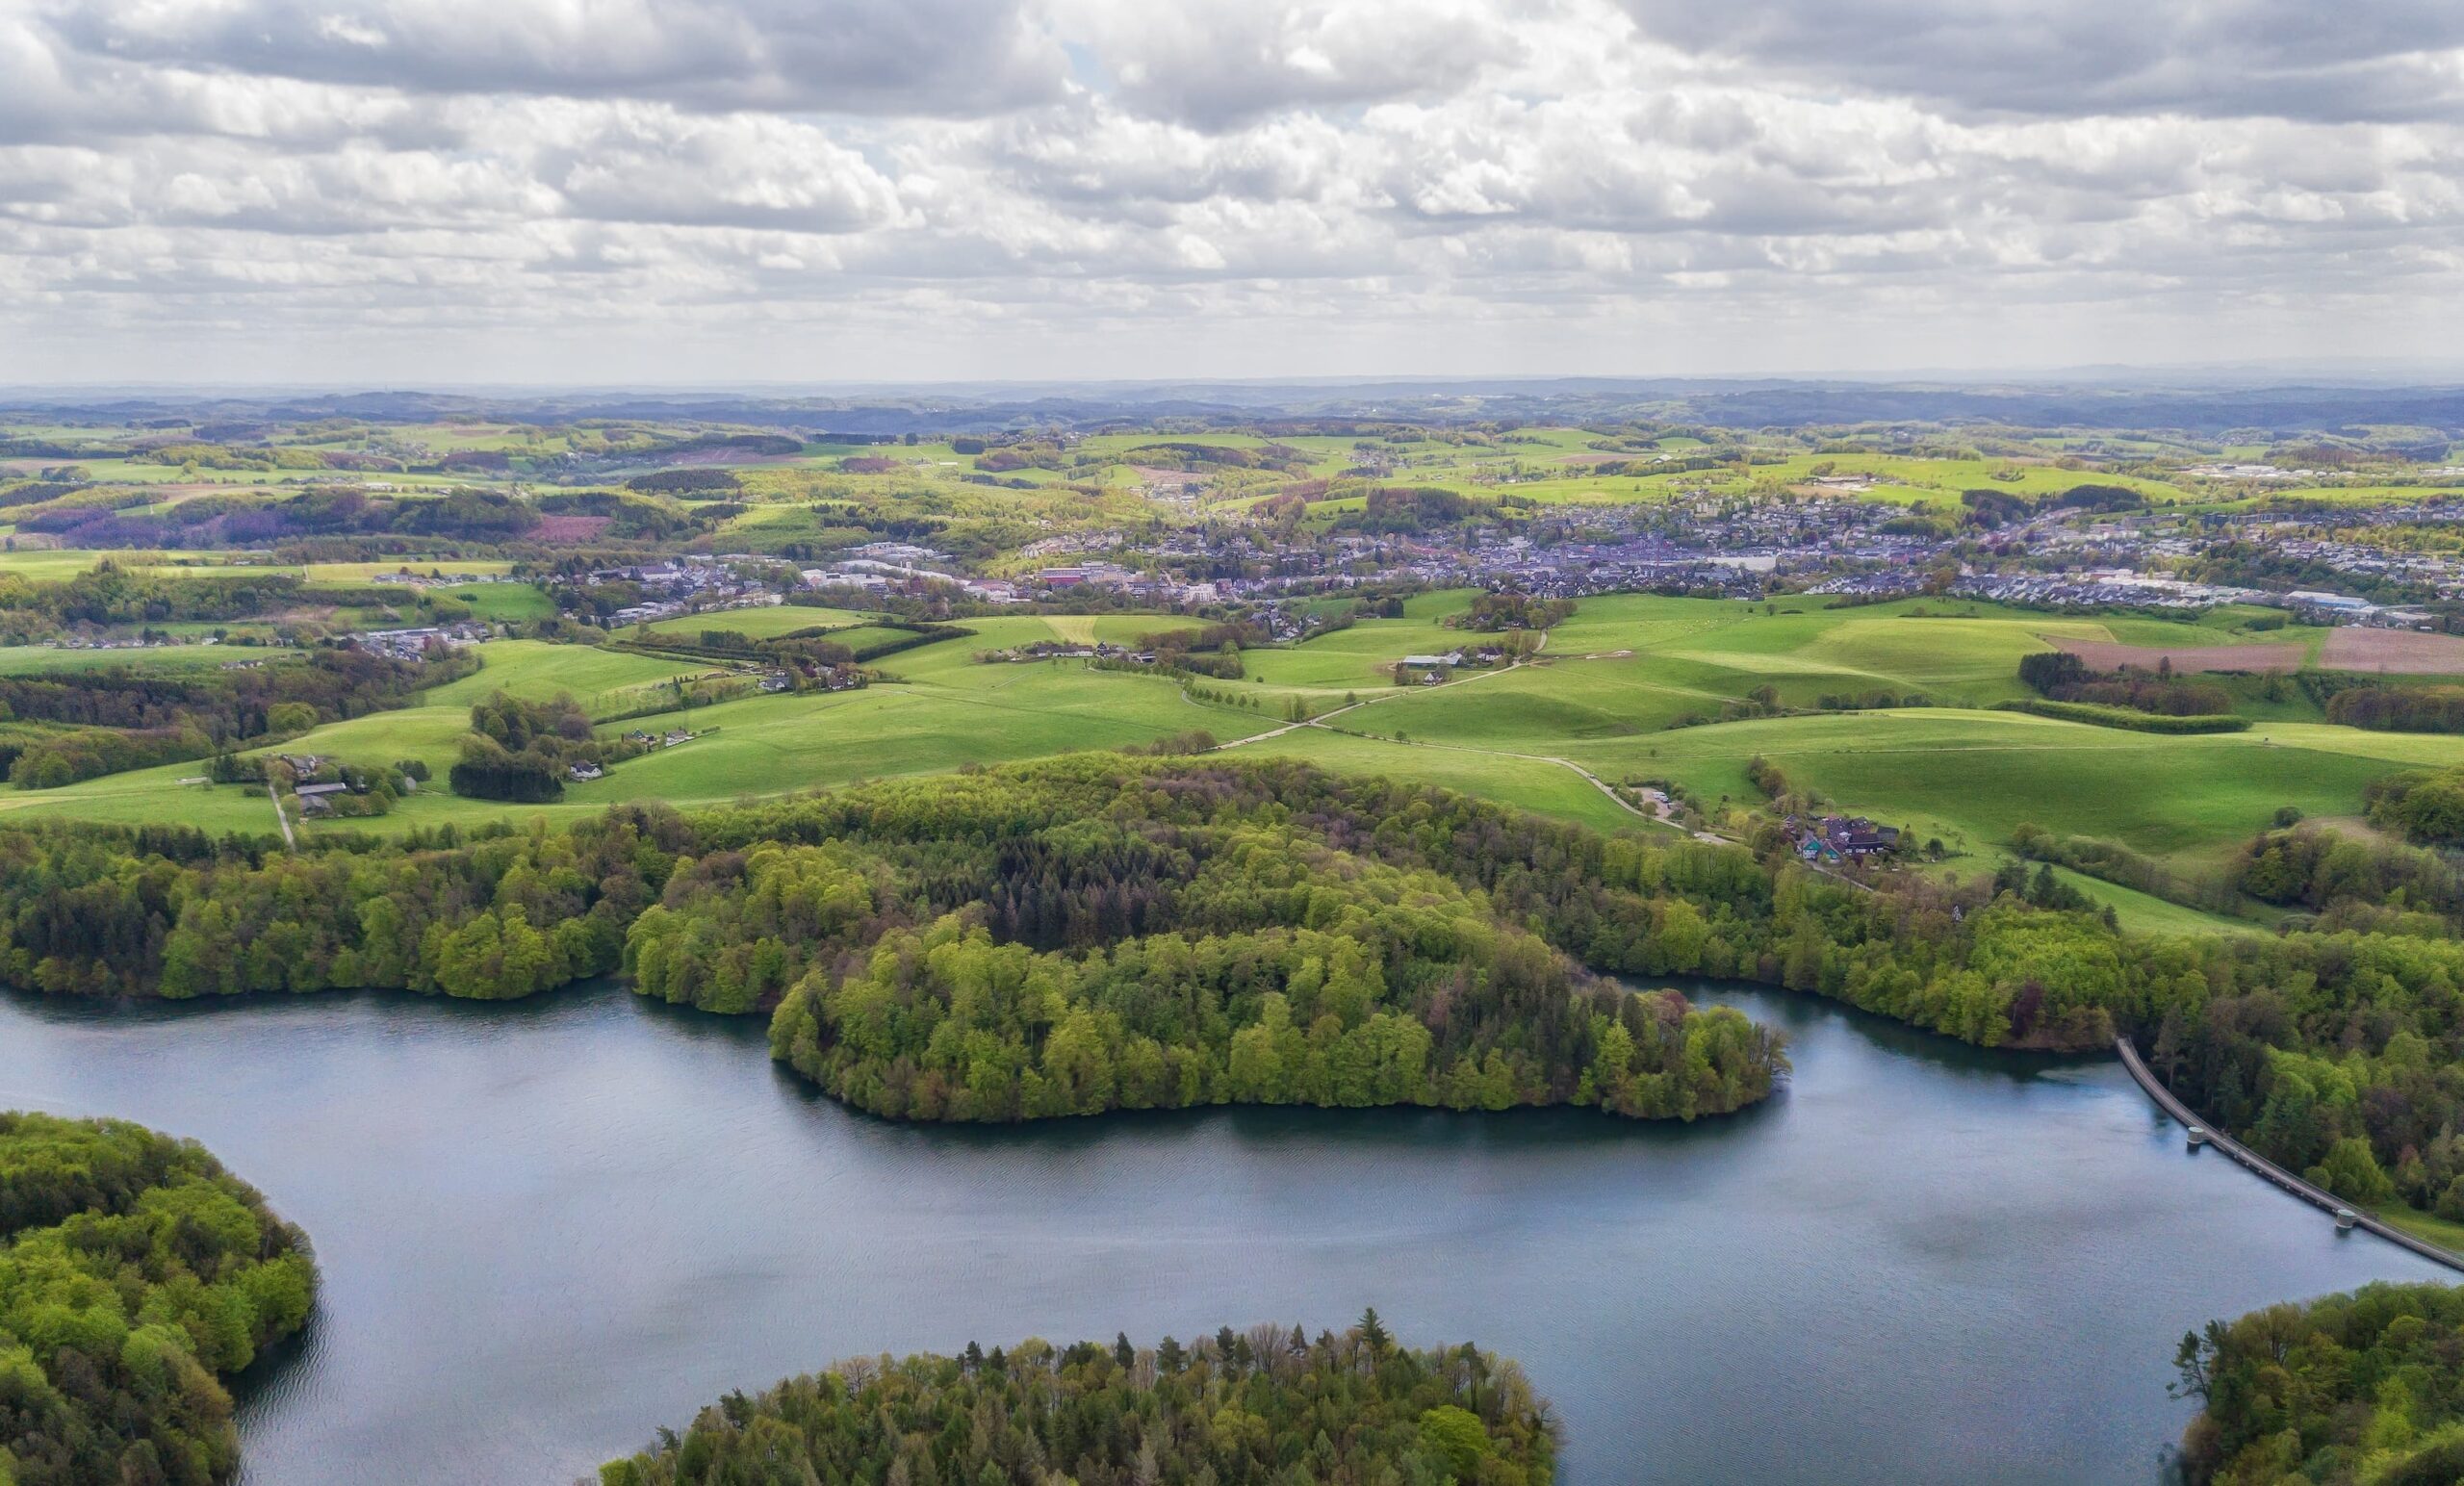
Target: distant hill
point(2286, 409)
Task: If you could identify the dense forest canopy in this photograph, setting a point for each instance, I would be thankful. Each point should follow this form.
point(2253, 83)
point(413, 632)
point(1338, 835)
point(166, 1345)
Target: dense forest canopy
point(1096, 930)
point(1266, 1405)
point(2425, 804)
point(125, 719)
point(2350, 1388)
point(521, 751)
point(135, 1275)
point(2062, 677)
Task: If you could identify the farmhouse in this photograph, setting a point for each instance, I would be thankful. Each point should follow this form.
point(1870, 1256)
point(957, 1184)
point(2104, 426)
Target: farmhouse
point(1841, 838)
point(312, 799)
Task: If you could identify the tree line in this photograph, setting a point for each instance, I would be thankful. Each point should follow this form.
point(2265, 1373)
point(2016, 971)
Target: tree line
point(1248, 1408)
point(2058, 676)
point(522, 751)
point(981, 927)
point(2399, 709)
point(123, 719)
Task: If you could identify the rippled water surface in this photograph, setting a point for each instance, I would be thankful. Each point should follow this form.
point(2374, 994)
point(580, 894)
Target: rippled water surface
point(547, 1229)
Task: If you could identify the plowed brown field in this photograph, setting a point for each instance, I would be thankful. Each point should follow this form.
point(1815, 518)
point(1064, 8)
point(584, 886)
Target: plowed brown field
point(2393, 650)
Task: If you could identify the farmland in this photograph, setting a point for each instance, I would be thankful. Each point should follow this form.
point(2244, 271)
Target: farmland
point(1622, 689)
point(760, 623)
point(1874, 698)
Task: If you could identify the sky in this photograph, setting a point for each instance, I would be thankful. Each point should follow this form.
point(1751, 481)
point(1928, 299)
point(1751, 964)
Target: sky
point(674, 191)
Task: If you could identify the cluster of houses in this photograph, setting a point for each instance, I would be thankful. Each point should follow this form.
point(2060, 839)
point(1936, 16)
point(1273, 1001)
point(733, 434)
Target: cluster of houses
point(684, 585)
point(406, 578)
point(2250, 472)
point(414, 644)
point(1840, 838)
point(583, 771)
point(2118, 588)
point(106, 642)
point(1070, 650)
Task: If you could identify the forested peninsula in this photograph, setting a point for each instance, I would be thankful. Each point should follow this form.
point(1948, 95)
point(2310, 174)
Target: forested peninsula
point(1263, 1405)
point(135, 1275)
point(1097, 930)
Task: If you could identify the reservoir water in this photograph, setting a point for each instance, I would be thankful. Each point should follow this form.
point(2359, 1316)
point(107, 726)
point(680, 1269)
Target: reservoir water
point(547, 1229)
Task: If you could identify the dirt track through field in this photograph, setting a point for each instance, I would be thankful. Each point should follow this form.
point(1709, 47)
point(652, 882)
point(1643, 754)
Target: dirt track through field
point(2187, 659)
point(2400, 650)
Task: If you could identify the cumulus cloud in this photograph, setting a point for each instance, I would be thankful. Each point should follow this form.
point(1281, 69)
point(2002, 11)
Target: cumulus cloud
point(844, 55)
point(2227, 58)
point(970, 188)
point(1215, 66)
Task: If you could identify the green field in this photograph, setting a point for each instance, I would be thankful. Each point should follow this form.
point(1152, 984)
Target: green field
point(1532, 783)
point(1362, 658)
point(54, 661)
point(537, 670)
point(1602, 696)
point(1973, 777)
point(1632, 664)
point(503, 603)
point(760, 624)
point(949, 711)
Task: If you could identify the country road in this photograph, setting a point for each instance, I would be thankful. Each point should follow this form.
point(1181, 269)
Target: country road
point(1656, 815)
point(281, 818)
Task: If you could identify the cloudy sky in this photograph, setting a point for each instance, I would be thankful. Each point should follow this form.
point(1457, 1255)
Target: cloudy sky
point(809, 191)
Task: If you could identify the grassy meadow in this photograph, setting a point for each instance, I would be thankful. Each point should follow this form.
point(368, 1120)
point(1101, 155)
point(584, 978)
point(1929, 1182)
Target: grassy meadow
point(758, 623)
point(1629, 688)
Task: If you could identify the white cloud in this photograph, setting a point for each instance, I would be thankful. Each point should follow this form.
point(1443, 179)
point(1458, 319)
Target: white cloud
point(901, 188)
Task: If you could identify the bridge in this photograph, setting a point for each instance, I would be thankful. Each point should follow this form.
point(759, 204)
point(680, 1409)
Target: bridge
point(2317, 1196)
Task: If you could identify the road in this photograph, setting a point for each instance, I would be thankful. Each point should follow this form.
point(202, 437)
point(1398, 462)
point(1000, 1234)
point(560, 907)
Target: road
point(2235, 1151)
point(1657, 815)
point(289, 841)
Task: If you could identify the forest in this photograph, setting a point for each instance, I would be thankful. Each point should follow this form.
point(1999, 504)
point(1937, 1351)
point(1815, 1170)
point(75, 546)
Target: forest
point(125, 719)
point(107, 594)
point(137, 1274)
point(2349, 1388)
point(1117, 948)
point(1171, 929)
point(2347, 880)
point(1265, 1405)
point(2064, 677)
point(2425, 806)
point(2399, 708)
point(375, 522)
point(519, 749)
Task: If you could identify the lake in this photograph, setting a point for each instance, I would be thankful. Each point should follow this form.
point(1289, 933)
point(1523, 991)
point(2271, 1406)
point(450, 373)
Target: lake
point(547, 1229)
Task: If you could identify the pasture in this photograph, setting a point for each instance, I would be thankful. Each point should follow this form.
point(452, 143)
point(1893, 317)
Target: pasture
point(537, 670)
point(1620, 690)
point(57, 660)
point(758, 623)
point(1971, 778)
